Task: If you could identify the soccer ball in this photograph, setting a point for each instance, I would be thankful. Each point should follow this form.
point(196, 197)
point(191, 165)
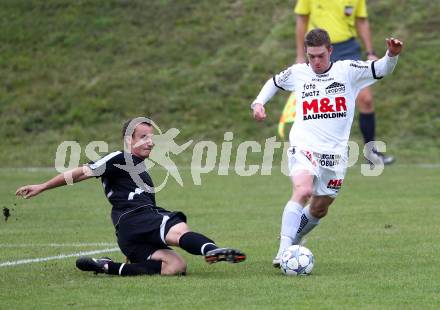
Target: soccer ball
point(297, 260)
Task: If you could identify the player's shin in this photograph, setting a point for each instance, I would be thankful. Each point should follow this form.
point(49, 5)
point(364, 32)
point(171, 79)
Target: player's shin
point(146, 268)
point(196, 244)
point(367, 124)
point(289, 224)
point(308, 222)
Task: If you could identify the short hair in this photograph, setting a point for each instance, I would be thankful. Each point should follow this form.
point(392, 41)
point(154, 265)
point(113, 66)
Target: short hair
point(141, 120)
point(317, 37)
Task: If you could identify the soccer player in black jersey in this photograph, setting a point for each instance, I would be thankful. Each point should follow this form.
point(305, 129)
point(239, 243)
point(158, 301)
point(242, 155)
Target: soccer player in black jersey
point(144, 230)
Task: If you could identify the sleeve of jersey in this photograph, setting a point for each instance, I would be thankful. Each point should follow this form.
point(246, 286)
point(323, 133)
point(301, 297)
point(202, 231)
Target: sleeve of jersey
point(365, 73)
point(284, 80)
point(361, 9)
point(279, 81)
point(106, 165)
point(268, 91)
point(302, 7)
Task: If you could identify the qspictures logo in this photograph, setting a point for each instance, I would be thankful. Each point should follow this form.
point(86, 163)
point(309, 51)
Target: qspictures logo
point(164, 144)
point(223, 158)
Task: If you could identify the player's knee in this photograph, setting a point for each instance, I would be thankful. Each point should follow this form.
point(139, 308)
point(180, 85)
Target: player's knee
point(180, 267)
point(183, 229)
point(318, 212)
point(302, 193)
point(176, 232)
point(365, 103)
point(173, 267)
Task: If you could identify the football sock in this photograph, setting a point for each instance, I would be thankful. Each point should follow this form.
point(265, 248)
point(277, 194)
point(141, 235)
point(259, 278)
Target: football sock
point(149, 267)
point(367, 125)
point(308, 222)
point(196, 244)
point(285, 242)
point(289, 224)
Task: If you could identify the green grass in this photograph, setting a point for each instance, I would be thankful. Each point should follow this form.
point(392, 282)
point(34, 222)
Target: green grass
point(75, 70)
point(377, 249)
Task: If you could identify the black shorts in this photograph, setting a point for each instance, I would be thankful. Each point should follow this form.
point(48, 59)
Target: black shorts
point(349, 49)
point(142, 231)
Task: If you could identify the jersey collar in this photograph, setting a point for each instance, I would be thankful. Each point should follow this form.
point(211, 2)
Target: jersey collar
point(331, 65)
point(136, 159)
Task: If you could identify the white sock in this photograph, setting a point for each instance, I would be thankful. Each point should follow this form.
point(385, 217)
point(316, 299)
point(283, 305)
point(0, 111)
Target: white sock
point(308, 222)
point(285, 242)
point(289, 224)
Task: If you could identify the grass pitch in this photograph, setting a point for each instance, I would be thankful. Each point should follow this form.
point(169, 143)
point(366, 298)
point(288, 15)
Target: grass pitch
point(377, 249)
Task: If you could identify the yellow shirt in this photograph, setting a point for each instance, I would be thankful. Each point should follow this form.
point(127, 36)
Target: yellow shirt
point(336, 16)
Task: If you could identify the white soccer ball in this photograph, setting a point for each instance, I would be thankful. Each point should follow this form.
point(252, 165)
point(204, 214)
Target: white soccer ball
point(297, 260)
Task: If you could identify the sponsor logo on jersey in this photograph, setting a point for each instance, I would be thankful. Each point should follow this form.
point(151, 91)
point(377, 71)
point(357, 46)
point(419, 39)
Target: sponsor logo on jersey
point(327, 160)
point(358, 64)
point(322, 79)
point(309, 90)
point(325, 108)
point(283, 76)
point(335, 184)
point(335, 88)
point(309, 156)
point(348, 10)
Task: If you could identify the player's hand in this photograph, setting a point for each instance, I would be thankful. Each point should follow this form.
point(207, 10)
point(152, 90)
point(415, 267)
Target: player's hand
point(394, 46)
point(259, 112)
point(29, 191)
point(372, 57)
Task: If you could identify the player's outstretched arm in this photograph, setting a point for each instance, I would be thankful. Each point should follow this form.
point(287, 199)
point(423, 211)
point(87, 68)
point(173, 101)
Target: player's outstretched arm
point(394, 46)
point(387, 63)
point(268, 91)
point(75, 175)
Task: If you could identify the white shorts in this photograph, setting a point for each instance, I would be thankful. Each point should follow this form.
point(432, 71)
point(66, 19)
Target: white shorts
point(328, 169)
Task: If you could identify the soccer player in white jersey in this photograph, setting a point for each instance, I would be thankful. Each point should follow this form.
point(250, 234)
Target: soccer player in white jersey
point(325, 93)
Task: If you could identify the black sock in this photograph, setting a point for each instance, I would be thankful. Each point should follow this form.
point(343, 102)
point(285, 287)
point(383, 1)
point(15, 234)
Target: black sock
point(149, 267)
point(196, 244)
point(367, 124)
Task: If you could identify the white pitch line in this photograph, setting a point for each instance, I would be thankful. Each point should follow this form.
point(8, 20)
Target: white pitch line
point(61, 256)
point(55, 245)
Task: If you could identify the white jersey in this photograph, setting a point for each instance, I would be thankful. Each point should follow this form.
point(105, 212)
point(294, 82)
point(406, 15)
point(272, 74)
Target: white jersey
point(325, 103)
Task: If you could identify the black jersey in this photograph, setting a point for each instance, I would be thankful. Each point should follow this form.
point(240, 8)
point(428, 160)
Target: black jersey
point(126, 182)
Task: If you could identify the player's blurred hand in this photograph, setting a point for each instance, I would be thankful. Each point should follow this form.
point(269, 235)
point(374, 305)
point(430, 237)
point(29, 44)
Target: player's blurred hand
point(372, 57)
point(259, 112)
point(29, 191)
point(394, 46)
point(300, 60)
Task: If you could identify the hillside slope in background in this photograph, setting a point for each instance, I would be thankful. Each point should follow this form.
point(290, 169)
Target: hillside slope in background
point(75, 70)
